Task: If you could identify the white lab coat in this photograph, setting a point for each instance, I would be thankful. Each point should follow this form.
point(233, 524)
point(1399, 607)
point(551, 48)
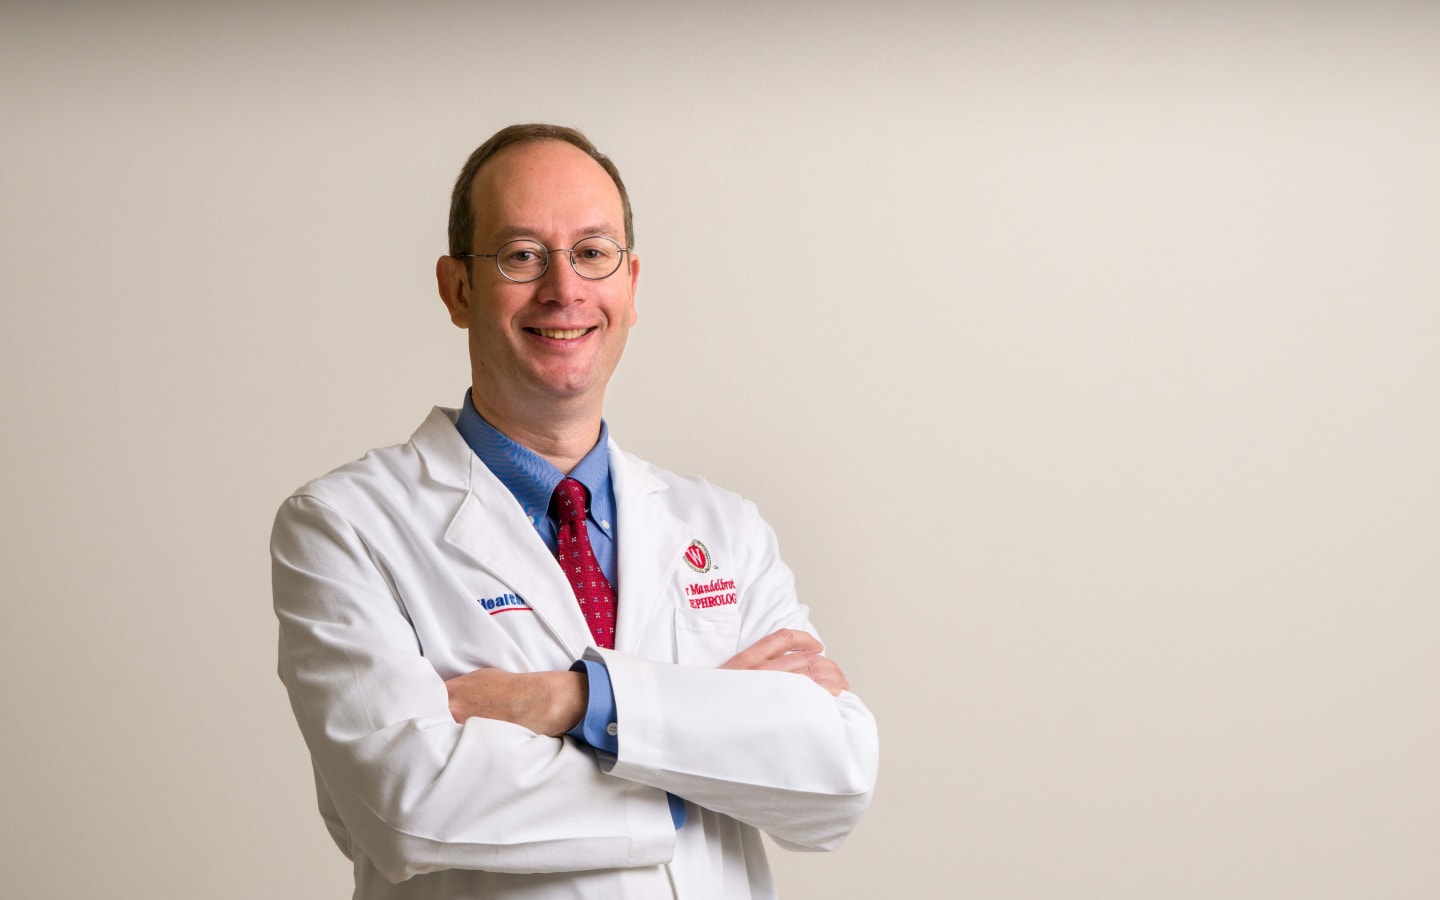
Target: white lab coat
point(380, 572)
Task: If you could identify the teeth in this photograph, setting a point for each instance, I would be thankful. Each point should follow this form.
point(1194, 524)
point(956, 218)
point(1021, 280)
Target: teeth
point(564, 334)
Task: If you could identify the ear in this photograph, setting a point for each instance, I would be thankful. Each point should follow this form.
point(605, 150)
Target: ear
point(634, 280)
point(453, 281)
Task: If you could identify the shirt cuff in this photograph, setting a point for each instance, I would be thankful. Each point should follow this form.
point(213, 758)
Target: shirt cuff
point(599, 727)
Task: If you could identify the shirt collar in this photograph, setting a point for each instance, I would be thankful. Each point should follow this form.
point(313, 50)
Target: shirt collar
point(529, 476)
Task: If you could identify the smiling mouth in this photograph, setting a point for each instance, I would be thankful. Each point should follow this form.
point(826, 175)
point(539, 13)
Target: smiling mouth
point(560, 334)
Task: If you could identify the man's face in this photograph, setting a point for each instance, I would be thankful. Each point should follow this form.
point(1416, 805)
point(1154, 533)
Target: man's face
point(549, 344)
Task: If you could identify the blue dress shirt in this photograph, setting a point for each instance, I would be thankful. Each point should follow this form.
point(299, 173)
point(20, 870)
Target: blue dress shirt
point(532, 480)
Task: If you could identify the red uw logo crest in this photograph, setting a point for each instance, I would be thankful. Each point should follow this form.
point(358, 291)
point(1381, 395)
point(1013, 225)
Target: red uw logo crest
point(697, 557)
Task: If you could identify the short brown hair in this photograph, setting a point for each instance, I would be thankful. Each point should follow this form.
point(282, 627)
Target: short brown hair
point(462, 211)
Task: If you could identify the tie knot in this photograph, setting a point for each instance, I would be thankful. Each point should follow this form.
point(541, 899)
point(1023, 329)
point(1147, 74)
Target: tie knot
point(569, 501)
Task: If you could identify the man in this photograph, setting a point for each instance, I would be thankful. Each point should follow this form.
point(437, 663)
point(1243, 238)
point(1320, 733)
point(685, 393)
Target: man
point(485, 723)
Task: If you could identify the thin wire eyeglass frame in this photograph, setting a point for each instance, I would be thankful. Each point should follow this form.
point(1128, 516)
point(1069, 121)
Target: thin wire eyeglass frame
point(619, 258)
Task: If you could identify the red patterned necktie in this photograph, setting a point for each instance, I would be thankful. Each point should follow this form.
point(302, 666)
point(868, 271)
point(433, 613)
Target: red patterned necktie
point(578, 562)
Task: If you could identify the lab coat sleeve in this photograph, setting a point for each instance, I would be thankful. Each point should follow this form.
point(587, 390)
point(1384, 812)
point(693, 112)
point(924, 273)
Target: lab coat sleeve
point(771, 749)
point(415, 790)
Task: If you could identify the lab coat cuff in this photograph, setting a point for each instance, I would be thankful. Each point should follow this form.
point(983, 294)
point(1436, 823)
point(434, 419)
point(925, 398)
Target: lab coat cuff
point(599, 728)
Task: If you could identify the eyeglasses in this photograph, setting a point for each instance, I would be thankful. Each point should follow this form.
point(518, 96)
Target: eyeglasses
point(593, 258)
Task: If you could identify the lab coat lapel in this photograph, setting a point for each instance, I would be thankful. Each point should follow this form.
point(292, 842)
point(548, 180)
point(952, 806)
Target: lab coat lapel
point(652, 542)
point(492, 529)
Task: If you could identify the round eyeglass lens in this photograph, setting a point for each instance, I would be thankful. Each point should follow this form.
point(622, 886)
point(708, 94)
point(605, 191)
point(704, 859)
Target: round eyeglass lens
point(522, 260)
point(595, 257)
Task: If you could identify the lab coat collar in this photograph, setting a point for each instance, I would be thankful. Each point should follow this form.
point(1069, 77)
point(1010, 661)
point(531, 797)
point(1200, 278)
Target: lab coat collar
point(446, 456)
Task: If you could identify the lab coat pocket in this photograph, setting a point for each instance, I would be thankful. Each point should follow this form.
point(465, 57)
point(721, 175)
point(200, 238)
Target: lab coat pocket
point(707, 641)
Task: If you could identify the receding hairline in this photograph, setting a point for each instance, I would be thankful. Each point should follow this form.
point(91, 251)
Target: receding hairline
point(615, 230)
point(462, 222)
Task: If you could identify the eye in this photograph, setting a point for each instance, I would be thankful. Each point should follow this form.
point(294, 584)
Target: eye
point(596, 249)
point(521, 254)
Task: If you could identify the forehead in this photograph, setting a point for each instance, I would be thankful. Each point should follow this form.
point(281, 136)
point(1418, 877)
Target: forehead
point(550, 189)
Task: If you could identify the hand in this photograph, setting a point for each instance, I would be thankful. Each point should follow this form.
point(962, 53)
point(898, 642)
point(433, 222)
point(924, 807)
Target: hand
point(788, 650)
point(548, 703)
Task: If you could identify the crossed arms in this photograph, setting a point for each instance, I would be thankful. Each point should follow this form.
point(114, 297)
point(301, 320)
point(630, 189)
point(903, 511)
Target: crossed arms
point(552, 703)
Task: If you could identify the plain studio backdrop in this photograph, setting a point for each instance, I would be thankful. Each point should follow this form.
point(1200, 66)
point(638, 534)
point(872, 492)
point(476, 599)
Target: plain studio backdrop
point(1083, 355)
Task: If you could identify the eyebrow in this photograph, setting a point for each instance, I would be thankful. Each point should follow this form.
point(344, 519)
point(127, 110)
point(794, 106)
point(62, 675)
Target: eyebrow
point(515, 232)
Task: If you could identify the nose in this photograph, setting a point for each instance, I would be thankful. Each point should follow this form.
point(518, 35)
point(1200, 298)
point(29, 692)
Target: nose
point(561, 284)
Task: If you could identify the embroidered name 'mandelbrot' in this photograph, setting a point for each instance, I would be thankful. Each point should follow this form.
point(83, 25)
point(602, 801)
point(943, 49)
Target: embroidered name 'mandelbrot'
point(716, 592)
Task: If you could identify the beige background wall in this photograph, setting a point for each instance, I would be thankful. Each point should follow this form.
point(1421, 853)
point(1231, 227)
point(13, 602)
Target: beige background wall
point(1083, 355)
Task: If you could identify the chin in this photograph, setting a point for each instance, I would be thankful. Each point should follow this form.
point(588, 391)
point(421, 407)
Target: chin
point(570, 382)
point(566, 389)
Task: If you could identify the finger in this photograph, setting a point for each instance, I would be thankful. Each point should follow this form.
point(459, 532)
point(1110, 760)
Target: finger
point(820, 669)
point(786, 640)
point(799, 661)
point(823, 671)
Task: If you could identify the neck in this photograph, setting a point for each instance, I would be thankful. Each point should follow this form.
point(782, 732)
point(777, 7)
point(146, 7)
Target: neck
point(561, 436)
